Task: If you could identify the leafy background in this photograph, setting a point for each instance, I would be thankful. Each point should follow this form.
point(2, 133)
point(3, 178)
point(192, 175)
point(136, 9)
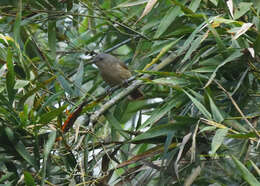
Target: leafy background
point(197, 62)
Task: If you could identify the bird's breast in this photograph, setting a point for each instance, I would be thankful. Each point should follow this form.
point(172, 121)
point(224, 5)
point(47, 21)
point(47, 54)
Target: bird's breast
point(114, 73)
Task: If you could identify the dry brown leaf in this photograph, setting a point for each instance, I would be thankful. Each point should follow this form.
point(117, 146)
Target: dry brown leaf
point(147, 9)
point(144, 155)
point(185, 139)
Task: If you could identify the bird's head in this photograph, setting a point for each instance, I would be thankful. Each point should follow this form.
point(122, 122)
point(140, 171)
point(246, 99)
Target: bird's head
point(103, 59)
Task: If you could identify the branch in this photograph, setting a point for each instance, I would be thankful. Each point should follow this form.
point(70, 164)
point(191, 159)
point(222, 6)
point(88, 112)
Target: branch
point(120, 44)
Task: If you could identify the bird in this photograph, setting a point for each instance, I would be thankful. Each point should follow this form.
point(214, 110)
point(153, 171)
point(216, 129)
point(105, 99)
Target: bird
point(115, 72)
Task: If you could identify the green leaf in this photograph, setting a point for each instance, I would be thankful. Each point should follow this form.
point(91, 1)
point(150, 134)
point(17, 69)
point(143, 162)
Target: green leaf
point(47, 117)
point(121, 113)
point(49, 144)
point(47, 149)
point(218, 139)
point(28, 179)
point(85, 38)
point(7, 176)
point(212, 61)
point(215, 2)
point(50, 100)
point(257, 44)
point(34, 90)
point(206, 69)
point(217, 116)
point(183, 8)
point(194, 45)
point(20, 83)
point(130, 3)
point(134, 106)
point(158, 113)
point(201, 108)
point(19, 146)
point(78, 79)
point(18, 21)
point(243, 136)
point(242, 9)
point(169, 17)
point(191, 38)
point(255, 167)
point(83, 26)
point(65, 84)
point(10, 76)
point(30, 101)
point(172, 81)
point(194, 5)
point(232, 57)
point(167, 144)
point(52, 37)
point(246, 174)
point(220, 43)
point(7, 110)
point(209, 128)
point(162, 47)
point(115, 124)
point(163, 130)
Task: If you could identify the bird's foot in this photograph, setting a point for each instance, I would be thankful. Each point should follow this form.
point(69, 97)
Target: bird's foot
point(108, 90)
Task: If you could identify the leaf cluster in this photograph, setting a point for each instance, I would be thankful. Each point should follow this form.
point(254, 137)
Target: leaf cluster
point(196, 61)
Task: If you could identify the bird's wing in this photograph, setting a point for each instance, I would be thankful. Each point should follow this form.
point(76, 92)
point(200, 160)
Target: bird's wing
point(122, 64)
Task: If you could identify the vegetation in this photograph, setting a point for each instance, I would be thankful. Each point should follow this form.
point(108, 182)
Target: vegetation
point(196, 61)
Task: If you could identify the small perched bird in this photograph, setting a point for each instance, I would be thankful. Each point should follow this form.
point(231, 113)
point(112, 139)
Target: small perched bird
point(114, 72)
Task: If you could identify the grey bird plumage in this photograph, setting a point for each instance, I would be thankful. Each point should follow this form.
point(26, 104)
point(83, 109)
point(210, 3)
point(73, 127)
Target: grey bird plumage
point(114, 71)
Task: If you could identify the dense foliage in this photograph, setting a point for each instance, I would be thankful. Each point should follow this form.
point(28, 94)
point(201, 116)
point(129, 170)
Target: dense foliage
point(196, 61)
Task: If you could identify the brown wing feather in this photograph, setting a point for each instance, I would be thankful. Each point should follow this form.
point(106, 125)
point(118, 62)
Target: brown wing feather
point(121, 63)
point(124, 73)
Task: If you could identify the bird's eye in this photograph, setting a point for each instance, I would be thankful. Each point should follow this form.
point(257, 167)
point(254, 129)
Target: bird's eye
point(101, 58)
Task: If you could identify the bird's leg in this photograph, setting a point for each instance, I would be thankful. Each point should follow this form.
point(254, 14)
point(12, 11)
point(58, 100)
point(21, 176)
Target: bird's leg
point(109, 90)
point(126, 82)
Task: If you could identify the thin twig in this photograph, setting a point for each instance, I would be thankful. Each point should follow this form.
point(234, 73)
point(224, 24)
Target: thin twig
point(120, 44)
point(238, 109)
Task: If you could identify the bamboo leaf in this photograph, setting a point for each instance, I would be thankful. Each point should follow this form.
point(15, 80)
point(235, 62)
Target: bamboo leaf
point(232, 57)
point(28, 178)
point(169, 17)
point(160, 112)
point(242, 9)
point(201, 108)
point(47, 149)
point(215, 111)
point(149, 6)
point(47, 117)
point(65, 84)
point(19, 146)
point(52, 37)
point(18, 21)
point(162, 130)
point(10, 76)
point(218, 139)
point(247, 175)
